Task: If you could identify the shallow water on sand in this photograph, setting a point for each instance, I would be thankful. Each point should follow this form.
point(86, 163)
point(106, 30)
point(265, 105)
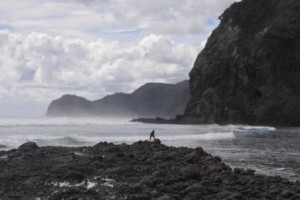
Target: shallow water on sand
point(266, 149)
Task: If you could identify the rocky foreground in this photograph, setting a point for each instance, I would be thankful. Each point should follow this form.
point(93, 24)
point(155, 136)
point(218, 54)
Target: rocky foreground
point(141, 171)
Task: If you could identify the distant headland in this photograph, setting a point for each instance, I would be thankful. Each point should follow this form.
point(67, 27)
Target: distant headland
point(150, 100)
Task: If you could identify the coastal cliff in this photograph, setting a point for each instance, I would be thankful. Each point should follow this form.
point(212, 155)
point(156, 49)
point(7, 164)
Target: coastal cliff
point(151, 99)
point(249, 70)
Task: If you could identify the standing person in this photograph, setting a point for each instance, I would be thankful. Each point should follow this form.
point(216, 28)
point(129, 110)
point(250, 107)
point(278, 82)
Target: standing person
point(152, 135)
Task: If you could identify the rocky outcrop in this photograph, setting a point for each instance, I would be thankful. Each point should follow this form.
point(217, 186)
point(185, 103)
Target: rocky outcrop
point(249, 70)
point(143, 170)
point(151, 99)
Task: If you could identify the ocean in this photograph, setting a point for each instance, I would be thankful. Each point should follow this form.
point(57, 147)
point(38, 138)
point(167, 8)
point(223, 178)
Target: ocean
point(267, 150)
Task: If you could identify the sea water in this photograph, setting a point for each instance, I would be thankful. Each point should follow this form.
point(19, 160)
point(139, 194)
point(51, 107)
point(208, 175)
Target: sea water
point(267, 150)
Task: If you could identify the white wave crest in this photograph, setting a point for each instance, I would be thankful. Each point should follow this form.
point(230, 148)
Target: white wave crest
point(247, 127)
point(61, 121)
point(81, 140)
point(205, 136)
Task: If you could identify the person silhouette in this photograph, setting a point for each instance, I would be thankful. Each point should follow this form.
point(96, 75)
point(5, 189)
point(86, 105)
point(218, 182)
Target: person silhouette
point(152, 135)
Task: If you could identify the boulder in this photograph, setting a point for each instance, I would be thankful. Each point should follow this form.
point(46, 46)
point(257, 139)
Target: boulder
point(191, 171)
point(28, 146)
point(139, 197)
point(157, 141)
point(165, 197)
point(74, 177)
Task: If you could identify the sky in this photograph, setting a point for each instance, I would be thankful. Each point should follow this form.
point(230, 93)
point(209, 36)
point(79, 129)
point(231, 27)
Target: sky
point(92, 48)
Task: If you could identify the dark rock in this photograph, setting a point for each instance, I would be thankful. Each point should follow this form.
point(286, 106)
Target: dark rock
point(218, 179)
point(120, 154)
point(171, 181)
point(166, 190)
point(74, 177)
point(193, 196)
point(147, 180)
point(194, 156)
point(238, 170)
point(154, 193)
point(249, 70)
point(139, 197)
point(250, 171)
point(161, 155)
point(191, 171)
point(236, 196)
point(218, 158)
point(157, 181)
point(296, 197)
point(55, 173)
point(119, 170)
point(29, 146)
point(159, 120)
point(165, 197)
point(225, 193)
point(157, 174)
point(65, 194)
point(287, 193)
point(197, 187)
point(157, 141)
point(136, 188)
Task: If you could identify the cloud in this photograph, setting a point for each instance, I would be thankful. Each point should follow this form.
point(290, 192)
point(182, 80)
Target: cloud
point(53, 17)
point(80, 18)
point(42, 67)
point(95, 47)
point(164, 17)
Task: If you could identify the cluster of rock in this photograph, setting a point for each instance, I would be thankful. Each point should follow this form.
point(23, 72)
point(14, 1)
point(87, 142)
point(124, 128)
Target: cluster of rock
point(158, 120)
point(249, 70)
point(141, 171)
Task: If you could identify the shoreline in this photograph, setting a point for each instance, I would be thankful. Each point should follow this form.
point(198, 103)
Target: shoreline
point(180, 120)
point(142, 170)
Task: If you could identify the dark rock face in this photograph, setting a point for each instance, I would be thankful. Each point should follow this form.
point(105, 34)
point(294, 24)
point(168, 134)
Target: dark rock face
point(150, 100)
point(143, 170)
point(249, 70)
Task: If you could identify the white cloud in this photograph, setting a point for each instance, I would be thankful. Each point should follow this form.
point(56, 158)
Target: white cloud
point(93, 18)
point(95, 47)
point(41, 67)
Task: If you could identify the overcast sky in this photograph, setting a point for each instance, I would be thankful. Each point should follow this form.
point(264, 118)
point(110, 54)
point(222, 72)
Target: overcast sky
point(92, 48)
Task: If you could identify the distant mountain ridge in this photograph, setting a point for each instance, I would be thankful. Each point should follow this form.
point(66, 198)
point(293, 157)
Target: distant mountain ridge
point(150, 100)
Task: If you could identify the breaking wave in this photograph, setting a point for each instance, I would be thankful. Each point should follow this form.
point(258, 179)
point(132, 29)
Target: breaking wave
point(89, 131)
point(80, 140)
point(58, 122)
